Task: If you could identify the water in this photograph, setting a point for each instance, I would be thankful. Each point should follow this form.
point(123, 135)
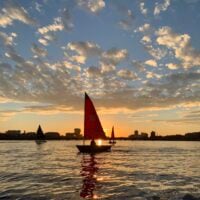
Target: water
point(136, 170)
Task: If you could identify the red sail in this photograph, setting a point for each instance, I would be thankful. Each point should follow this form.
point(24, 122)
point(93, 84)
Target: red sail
point(92, 124)
point(112, 134)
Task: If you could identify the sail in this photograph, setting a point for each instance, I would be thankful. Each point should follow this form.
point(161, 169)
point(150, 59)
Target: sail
point(92, 124)
point(40, 134)
point(112, 134)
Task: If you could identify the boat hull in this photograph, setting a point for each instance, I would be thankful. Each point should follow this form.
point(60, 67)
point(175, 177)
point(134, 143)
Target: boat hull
point(112, 142)
point(93, 149)
point(40, 141)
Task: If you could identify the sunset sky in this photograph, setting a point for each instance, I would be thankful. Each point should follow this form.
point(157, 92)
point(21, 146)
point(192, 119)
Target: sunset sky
point(138, 60)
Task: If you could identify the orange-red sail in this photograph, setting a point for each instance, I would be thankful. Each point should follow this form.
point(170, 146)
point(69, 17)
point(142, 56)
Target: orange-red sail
point(92, 124)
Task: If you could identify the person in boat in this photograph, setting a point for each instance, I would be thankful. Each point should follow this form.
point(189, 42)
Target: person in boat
point(93, 143)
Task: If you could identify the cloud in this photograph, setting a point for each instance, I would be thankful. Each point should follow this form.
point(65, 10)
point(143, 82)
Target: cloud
point(39, 52)
point(151, 75)
point(86, 66)
point(64, 64)
point(78, 59)
point(12, 54)
point(127, 22)
point(180, 45)
point(151, 62)
point(45, 82)
point(146, 39)
point(13, 11)
point(7, 39)
point(47, 109)
point(193, 116)
point(3, 99)
point(36, 108)
point(93, 6)
point(157, 53)
point(85, 48)
point(72, 66)
point(6, 115)
point(82, 50)
point(93, 71)
point(126, 74)
point(178, 88)
point(172, 66)
point(180, 121)
point(109, 59)
point(143, 10)
point(100, 83)
point(160, 7)
point(190, 117)
point(126, 14)
point(144, 28)
point(66, 20)
point(114, 56)
point(79, 52)
point(56, 26)
point(43, 41)
point(138, 66)
point(5, 20)
point(47, 38)
point(38, 6)
point(107, 67)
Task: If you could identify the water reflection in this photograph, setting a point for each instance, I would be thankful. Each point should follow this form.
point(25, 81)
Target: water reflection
point(89, 170)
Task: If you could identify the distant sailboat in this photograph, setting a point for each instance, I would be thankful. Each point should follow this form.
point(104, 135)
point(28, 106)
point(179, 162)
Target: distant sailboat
point(112, 139)
point(92, 129)
point(40, 137)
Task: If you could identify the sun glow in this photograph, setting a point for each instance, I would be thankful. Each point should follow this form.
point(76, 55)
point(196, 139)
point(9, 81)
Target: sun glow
point(99, 142)
point(95, 196)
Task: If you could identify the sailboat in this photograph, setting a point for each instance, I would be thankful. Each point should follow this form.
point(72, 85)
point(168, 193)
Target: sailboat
point(40, 137)
point(92, 129)
point(112, 139)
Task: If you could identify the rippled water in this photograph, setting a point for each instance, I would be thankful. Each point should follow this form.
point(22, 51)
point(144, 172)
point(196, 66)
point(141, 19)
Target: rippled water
point(132, 170)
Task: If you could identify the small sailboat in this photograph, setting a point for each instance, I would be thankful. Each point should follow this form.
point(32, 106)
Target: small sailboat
point(112, 139)
point(92, 130)
point(40, 137)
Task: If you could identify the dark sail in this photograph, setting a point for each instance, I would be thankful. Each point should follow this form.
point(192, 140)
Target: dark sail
point(40, 135)
point(113, 134)
point(112, 138)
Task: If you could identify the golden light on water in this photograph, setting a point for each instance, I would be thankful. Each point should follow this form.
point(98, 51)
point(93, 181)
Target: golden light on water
point(99, 142)
point(100, 179)
point(95, 196)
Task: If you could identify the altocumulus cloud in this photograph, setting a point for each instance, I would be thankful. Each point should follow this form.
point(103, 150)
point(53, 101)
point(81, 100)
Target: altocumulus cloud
point(6, 39)
point(81, 51)
point(93, 6)
point(180, 45)
point(11, 12)
point(161, 7)
point(95, 66)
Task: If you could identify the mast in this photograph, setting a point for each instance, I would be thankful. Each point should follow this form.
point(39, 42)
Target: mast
point(84, 119)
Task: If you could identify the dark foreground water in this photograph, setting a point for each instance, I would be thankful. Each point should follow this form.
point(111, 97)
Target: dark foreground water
point(133, 170)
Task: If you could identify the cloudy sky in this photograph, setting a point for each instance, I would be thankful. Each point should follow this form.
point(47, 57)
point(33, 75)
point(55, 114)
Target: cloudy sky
point(137, 59)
